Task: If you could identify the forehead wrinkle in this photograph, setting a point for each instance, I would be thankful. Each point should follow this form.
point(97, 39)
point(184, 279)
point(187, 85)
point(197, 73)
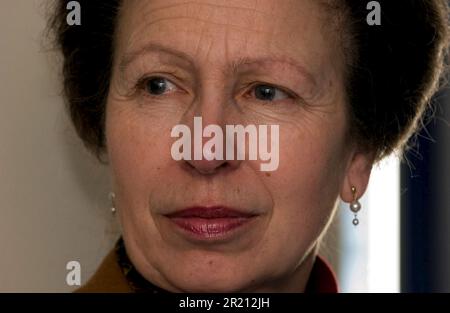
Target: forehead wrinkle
point(199, 19)
point(200, 38)
point(133, 37)
point(130, 56)
point(193, 11)
point(209, 4)
point(229, 25)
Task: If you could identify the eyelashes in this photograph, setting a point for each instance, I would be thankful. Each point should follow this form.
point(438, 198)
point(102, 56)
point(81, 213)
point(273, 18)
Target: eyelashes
point(269, 93)
point(158, 86)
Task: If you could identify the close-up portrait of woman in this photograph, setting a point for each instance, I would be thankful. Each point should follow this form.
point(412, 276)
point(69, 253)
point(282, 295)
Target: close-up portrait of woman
point(234, 131)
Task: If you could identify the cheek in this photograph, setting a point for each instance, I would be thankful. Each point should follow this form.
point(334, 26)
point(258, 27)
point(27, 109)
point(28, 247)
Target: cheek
point(137, 149)
point(306, 186)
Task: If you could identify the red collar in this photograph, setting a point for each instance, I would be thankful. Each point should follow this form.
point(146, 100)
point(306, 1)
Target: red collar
point(322, 278)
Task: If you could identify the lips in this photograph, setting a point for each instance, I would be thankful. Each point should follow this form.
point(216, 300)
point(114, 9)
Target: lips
point(210, 223)
point(210, 212)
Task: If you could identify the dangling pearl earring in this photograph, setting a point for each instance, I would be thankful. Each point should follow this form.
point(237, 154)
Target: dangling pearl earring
point(112, 196)
point(355, 206)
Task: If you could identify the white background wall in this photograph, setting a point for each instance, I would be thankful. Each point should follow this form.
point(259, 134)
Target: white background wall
point(53, 195)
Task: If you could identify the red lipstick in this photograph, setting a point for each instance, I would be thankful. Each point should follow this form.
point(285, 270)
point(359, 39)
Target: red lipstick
point(210, 223)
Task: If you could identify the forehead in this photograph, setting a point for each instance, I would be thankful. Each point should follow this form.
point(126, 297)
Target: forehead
point(223, 29)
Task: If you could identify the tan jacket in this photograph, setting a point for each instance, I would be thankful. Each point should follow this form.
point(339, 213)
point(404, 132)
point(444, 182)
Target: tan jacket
point(108, 278)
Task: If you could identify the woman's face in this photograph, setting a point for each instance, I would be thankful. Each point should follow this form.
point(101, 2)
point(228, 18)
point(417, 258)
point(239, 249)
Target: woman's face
point(240, 62)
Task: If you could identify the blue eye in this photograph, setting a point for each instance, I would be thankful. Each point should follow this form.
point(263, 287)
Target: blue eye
point(158, 86)
point(269, 93)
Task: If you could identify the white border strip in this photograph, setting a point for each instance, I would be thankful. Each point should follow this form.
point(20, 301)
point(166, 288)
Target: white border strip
point(384, 227)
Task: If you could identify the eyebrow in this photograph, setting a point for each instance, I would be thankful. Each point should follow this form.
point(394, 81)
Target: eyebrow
point(234, 67)
point(272, 59)
point(130, 57)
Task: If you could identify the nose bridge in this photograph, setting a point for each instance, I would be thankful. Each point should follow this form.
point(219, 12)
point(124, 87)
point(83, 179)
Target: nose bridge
point(209, 115)
point(213, 98)
point(213, 92)
point(212, 101)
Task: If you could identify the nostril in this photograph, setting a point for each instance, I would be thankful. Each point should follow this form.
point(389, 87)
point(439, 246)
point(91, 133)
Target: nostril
point(223, 165)
point(213, 170)
point(206, 167)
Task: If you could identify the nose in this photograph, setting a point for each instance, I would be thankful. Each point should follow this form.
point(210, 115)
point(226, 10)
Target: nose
point(206, 167)
point(209, 153)
point(208, 131)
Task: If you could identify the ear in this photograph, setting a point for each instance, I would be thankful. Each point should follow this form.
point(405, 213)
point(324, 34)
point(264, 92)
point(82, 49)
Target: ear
point(357, 175)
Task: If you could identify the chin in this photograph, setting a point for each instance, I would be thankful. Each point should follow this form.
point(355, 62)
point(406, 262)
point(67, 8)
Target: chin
point(229, 285)
point(204, 282)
